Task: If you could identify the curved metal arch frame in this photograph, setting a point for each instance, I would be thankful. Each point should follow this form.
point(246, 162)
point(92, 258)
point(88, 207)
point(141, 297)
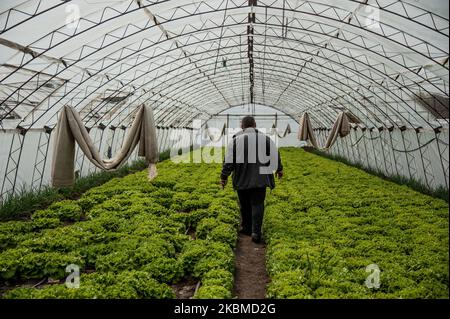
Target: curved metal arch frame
point(380, 98)
point(331, 120)
point(285, 73)
point(360, 62)
point(436, 28)
point(205, 12)
point(301, 90)
point(172, 89)
point(204, 91)
point(284, 111)
point(36, 12)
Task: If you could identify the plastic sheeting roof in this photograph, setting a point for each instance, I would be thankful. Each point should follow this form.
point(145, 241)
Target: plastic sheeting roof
point(384, 61)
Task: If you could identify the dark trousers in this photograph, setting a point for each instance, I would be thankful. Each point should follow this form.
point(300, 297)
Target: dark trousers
point(252, 209)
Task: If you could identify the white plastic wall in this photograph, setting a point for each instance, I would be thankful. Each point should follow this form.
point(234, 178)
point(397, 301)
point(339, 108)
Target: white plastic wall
point(25, 160)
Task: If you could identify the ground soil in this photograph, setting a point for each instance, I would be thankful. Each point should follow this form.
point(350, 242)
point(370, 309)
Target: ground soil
point(185, 289)
point(250, 275)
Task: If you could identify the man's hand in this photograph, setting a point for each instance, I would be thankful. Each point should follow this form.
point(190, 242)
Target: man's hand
point(280, 174)
point(223, 183)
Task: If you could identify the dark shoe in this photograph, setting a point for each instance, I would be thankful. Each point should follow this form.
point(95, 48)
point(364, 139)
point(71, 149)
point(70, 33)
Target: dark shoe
point(245, 232)
point(256, 238)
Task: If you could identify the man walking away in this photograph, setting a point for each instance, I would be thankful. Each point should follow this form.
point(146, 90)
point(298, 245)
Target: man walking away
point(252, 158)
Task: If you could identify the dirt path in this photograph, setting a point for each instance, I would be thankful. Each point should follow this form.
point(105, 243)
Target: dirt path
point(250, 277)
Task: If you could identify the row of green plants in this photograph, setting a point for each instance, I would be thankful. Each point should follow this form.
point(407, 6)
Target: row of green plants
point(440, 192)
point(20, 205)
point(326, 222)
point(130, 237)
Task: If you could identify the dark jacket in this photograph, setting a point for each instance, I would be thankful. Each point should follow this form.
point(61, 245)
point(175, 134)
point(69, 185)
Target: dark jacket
point(250, 170)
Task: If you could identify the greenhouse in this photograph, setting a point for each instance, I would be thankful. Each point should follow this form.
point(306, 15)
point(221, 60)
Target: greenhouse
point(120, 130)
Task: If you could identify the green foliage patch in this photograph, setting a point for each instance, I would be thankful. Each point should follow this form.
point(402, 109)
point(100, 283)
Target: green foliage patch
point(129, 236)
point(326, 222)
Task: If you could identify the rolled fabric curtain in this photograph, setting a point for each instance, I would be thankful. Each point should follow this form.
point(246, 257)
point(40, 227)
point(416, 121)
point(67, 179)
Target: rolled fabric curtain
point(274, 131)
point(70, 129)
point(340, 128)
point(211, 137)
point(305, 132)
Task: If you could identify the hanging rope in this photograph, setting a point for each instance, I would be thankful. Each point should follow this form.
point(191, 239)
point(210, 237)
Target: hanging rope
point(416, 149)
point(394, 149)
point(366, 138)
point(358, 141)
